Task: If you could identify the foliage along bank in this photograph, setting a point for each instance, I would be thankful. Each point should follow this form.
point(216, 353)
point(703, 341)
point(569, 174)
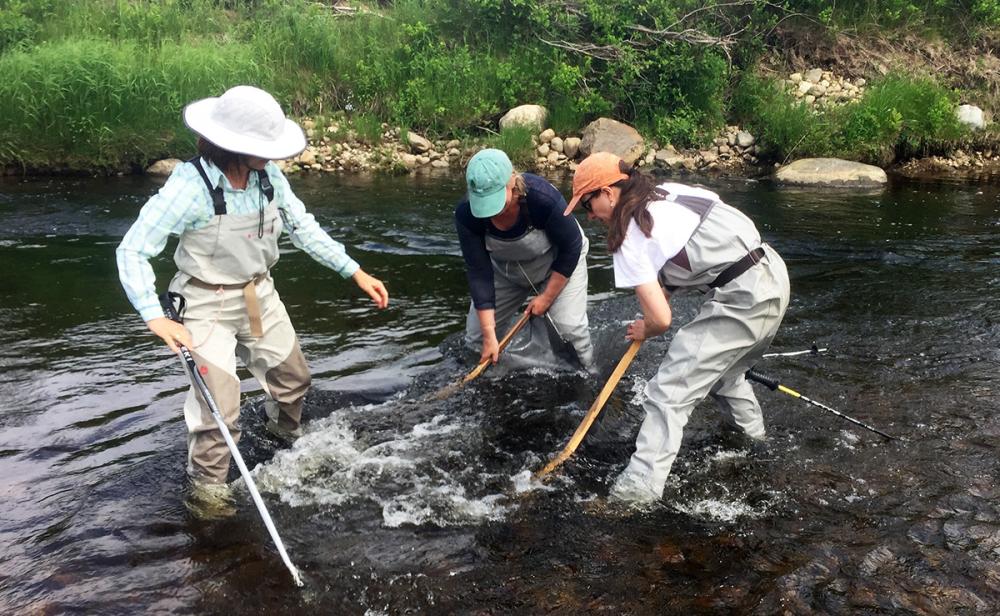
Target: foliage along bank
point(97, 84)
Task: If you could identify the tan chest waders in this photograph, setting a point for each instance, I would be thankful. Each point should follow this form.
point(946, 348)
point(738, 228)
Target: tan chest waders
point(234, 310)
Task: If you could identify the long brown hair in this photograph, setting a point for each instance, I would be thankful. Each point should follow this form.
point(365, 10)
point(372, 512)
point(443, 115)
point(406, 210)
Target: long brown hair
point(636, 193)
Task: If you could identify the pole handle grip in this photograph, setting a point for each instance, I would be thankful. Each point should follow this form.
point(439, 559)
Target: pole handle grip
point(167, 303)
point(766, 381)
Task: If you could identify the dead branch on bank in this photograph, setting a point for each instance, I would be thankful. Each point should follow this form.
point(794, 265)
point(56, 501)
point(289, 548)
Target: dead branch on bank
point(732, 24)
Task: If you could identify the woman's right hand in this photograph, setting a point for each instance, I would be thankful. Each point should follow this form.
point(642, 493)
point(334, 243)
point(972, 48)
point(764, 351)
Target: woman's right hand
point(491, 350)
point(171, 332)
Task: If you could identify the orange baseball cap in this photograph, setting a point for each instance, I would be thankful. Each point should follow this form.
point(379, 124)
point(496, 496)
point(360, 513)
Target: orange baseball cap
point(598, 170)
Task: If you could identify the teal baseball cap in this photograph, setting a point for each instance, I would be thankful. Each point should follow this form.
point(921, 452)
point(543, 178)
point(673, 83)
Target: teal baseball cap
point(486, 177)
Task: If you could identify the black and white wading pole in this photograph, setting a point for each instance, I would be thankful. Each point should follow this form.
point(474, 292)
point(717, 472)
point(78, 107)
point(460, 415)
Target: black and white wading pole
point(773, 384)
point(167, 301)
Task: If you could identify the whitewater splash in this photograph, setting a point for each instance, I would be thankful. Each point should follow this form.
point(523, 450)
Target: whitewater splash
point(418, 477)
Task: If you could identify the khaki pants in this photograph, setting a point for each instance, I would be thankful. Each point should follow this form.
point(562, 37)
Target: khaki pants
point(220, 328)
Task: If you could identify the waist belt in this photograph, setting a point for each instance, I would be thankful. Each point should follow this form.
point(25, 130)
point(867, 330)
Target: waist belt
point(733, 272)
point(249, 297)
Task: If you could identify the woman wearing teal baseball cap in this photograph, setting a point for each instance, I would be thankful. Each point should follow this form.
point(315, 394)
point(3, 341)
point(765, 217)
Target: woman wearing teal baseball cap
point(517, 243)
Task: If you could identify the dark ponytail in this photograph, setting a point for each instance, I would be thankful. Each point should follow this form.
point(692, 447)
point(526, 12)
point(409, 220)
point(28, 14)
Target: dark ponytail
point(636, 193)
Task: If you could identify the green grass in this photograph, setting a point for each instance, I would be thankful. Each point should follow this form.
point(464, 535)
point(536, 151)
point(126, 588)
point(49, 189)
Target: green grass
point(101, 83)
point(786, 127)
point(898, 117)
point(92, 103)
point(516, 142)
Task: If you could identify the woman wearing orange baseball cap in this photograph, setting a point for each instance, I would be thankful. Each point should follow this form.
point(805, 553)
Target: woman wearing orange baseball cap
point(685, 238)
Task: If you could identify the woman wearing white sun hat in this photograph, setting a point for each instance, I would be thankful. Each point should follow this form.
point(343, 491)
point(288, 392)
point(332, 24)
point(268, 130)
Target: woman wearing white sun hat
point(229, 206)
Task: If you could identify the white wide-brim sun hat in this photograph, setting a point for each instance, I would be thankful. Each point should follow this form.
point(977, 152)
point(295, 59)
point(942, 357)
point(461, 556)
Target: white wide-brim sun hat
point(246, 120)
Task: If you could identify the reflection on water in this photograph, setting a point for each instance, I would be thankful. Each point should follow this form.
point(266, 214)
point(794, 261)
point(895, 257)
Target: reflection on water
point(394, 502)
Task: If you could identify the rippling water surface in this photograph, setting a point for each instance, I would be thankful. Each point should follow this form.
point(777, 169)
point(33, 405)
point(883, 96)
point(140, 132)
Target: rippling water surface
point(396, 503)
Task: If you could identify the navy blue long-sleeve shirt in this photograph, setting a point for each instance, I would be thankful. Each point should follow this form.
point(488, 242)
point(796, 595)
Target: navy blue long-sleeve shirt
point(543, 209)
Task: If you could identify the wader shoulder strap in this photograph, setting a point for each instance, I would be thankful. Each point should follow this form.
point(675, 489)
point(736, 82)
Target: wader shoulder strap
point(218, 197)
point(265, 185)
point(700, 206)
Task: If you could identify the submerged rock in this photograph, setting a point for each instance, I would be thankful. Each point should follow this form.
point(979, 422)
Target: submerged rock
point(876, 559)
point(831, 172)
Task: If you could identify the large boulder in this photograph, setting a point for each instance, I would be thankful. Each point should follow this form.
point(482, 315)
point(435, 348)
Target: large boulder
point(418, 143)
point(607, 135)
point(971, 116)
point(163, 168)
point(831, 172)
point(529, 116)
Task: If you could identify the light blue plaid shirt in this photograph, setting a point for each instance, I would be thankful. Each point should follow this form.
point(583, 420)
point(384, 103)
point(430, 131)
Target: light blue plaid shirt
point(184, 203)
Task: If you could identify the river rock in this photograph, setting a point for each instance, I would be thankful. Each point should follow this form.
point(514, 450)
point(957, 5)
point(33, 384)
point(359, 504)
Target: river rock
point(163, 168)
point(547, 135)
point(531, 116)
point(307, 157)
point(418, 144)
point(556, 144)
point(831, 172)
point(571, 147)
point(607, 135)
point(971, 116)
point(409, 161)
point(668, 158)
point(744, 139)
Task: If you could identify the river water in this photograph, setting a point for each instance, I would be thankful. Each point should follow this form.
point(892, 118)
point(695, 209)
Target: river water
point(395, 504)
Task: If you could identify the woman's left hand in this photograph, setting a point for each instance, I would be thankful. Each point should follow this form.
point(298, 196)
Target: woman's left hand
point(636, 330)
point(373, 287)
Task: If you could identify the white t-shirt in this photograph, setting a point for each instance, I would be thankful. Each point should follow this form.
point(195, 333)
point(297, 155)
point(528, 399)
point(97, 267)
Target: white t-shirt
point(639, 259)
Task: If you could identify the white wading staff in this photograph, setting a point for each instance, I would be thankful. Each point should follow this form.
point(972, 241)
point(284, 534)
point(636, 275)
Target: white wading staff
point(814, 350)
point(167, 301)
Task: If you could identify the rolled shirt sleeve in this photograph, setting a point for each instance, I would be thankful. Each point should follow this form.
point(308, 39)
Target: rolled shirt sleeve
point(169, 211)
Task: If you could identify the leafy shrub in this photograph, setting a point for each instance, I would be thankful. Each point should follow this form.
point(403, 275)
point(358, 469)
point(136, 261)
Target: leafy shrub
point(785, 125)
point(899, 116)
point(16, 24)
